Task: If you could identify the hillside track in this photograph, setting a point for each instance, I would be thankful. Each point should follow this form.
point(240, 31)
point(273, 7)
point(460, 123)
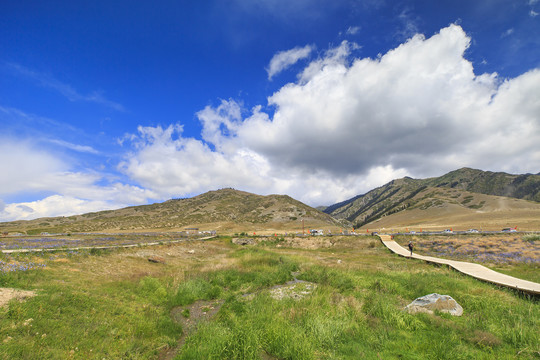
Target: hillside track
point(475, 270)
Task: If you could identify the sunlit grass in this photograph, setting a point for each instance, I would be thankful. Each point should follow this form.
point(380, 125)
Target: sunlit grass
point(117, 305)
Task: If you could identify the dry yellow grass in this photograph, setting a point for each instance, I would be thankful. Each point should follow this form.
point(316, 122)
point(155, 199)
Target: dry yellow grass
point(496, 214)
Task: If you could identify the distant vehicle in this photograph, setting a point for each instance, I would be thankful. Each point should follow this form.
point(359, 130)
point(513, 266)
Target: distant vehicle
point(374, 233)
point(509, 230)
point(448, 231)
point(412, 232)
point(472, 231)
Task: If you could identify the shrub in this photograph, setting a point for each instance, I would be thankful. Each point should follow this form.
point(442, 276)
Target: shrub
point(153, 289)
point(531, 237)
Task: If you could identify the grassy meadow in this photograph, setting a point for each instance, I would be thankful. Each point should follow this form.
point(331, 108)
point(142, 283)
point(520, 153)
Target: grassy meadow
point(214, 300)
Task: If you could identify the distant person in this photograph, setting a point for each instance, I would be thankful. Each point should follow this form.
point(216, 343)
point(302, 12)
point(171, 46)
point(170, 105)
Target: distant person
point(410, 246)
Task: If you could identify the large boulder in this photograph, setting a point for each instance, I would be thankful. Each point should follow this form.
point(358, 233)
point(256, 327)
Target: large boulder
point(430, 303)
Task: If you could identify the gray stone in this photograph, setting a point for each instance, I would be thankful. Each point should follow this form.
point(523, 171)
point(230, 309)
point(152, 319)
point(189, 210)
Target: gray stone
point(430, 303)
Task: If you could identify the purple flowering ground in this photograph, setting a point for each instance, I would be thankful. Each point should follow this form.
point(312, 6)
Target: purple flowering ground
point(493, 249)
point(64, 244)
point(6, 267)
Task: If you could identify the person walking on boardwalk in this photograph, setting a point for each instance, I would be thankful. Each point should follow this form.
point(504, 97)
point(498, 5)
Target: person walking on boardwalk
point(410, 246)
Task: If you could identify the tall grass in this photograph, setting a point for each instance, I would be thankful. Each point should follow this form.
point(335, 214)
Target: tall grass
point(359, 314)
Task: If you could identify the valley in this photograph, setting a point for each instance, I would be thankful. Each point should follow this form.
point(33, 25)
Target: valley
point(233, 275)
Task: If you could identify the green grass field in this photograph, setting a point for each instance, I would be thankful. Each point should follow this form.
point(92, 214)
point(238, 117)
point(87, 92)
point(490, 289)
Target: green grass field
point(118, 305)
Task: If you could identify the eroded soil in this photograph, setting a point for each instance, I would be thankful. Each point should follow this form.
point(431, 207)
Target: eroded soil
point(7, 294)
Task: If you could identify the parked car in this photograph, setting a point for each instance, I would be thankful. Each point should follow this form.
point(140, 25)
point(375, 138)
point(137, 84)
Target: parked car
point(448, 231)
point(509, 230)
point(473, 231)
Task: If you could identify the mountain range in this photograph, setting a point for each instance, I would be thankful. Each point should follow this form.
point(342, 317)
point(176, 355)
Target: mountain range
point(465, 197)
point(471, 191)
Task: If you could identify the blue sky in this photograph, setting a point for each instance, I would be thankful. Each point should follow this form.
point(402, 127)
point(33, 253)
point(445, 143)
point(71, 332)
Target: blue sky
point(110, 103)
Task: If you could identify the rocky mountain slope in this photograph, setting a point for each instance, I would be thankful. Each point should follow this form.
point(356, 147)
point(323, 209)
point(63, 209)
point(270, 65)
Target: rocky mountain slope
point(225, 208)
point(460, 188)
point(525, 186)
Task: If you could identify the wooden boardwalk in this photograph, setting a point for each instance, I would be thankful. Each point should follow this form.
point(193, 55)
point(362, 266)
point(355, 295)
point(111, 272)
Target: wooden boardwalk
point(475, 270)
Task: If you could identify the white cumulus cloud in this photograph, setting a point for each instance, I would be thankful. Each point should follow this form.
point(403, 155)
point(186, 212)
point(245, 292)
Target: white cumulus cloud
point(350, 124)
point(284, 59)
point(30, 169)
point(55, 205)
point(172, 165)
point(347, 125)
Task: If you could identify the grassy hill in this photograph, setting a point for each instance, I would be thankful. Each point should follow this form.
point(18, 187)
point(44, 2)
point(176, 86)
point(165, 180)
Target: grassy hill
point(225, 209)
point(466, 197)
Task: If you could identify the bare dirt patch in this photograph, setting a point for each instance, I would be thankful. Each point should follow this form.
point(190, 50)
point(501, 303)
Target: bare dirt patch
point(7, 294)
point(310, 242)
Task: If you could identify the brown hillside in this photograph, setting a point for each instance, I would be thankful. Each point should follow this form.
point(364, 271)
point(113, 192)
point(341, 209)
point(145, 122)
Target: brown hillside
point(465, 195)
point(224, 210)
point(444, 208)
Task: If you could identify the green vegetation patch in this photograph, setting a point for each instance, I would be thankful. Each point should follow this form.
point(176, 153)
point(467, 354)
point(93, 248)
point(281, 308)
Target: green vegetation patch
point(531, 237)
point(467, 199)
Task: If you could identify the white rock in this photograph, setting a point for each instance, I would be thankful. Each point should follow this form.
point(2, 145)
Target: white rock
point(430, 303)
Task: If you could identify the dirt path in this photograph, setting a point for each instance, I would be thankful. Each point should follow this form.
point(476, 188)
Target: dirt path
point(475, 270)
